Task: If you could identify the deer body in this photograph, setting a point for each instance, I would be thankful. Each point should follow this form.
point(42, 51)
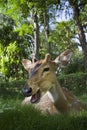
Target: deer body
point(44, 89)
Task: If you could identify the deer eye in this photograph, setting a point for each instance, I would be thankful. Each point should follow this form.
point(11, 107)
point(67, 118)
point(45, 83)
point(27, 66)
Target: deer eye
point(46, 69)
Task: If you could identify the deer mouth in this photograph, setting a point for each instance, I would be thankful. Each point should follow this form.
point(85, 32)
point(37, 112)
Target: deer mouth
point(36, 97)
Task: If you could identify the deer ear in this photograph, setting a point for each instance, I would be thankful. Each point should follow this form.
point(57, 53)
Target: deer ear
point(63, 59)
point(26, 63)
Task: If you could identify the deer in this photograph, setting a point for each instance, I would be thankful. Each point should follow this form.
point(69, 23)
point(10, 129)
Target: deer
point(44, 91)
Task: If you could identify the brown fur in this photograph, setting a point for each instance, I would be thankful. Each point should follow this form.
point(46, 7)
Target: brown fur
point(55, 99)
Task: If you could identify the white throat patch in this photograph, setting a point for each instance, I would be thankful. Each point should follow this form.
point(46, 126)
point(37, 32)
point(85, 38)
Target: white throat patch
point(52, 94)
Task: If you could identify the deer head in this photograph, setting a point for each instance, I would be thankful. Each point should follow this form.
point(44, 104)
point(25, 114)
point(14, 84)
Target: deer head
point(42, 74)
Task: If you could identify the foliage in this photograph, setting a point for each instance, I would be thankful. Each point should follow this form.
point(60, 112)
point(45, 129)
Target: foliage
point(74, 82)
point(76, 64)
point(17, 32)
point(62, 35)
point(13, 46)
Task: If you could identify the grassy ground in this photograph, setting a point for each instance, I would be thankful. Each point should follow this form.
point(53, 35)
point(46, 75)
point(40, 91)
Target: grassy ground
point(28, 118)
point(15, 117)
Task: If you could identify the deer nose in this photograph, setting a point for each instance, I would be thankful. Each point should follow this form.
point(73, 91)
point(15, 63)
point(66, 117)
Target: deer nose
point(27, 91)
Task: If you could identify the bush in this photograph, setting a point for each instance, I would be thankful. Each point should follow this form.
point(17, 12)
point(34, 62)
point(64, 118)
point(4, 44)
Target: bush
point(75, 82)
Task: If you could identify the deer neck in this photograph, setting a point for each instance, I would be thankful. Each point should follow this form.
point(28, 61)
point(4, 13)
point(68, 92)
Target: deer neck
point(57, 96)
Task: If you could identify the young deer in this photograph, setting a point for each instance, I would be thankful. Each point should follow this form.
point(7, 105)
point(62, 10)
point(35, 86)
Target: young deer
point(44, 91)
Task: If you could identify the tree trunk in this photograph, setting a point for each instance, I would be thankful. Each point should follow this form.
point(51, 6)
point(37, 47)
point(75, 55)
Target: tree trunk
point(36, 36)
point(46, 26)
point(82, 37)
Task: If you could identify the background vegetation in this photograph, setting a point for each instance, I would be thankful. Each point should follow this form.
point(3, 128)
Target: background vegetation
point(36, 27)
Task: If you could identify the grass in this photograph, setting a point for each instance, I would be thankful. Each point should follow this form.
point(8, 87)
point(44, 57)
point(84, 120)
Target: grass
point(83, 98)
point(27, 118)
point(15, 117)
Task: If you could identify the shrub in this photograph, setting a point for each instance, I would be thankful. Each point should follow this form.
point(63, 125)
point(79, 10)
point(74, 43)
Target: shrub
point(75, 82)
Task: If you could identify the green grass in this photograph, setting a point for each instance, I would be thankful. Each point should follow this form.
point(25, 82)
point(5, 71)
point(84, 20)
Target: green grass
point(15, 117)
point(27, 118)
point(83, 98)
